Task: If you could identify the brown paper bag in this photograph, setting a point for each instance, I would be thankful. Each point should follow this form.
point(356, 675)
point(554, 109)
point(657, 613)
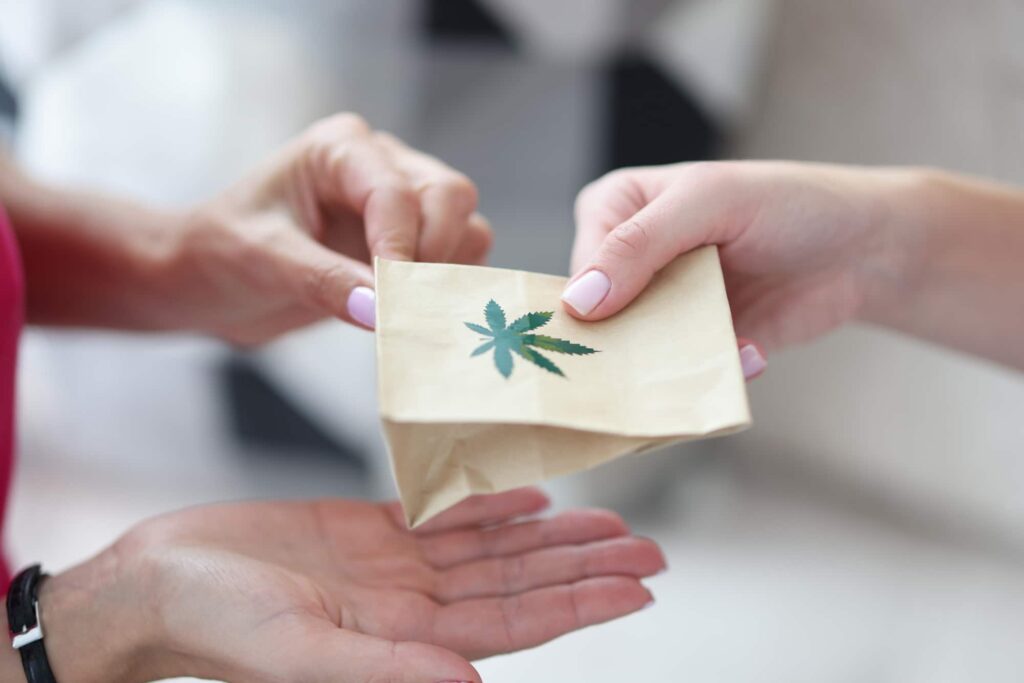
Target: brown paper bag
point(480, 397)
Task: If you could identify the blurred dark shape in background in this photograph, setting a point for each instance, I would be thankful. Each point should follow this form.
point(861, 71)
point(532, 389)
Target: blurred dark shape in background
point(464, 20)
point(650, 119)
point(8, 104)
point(265, 421)
point(8, 110)
point(647, 118)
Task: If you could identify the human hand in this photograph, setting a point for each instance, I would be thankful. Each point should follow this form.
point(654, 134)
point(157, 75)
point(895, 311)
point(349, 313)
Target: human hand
point(803, 247)
point(293, 241)
point(340, 591)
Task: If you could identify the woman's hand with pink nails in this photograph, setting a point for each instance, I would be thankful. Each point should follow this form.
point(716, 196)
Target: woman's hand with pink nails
point(752, 359)
point(803, 247)
point(294, 241)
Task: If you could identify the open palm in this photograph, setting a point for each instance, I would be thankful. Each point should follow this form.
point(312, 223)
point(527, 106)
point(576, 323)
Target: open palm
point(342, 591)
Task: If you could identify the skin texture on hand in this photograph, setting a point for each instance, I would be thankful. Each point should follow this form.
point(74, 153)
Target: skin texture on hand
point(286, 245)
point(341, 591)
point(796, 242)
point(807, 247)
point(291, 243)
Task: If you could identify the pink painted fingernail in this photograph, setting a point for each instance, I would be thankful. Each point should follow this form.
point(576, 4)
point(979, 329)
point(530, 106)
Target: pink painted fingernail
point(752, 361)
point(362, 306)
point(586, 292)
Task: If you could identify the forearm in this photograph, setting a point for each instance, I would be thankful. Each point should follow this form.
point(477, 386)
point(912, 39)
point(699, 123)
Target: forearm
point(965, 286)
point(89, 260)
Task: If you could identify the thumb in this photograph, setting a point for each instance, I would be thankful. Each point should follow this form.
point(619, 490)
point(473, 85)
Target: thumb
point(627, 258)
point(348, 657)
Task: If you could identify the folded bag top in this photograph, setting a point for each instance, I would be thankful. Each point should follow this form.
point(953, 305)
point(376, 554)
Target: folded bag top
point(486, 384)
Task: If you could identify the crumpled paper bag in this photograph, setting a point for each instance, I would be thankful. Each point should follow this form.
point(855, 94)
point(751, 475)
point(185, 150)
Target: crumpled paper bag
point(486, 384)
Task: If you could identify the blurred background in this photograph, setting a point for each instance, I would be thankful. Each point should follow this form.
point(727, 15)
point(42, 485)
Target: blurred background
point(869, 528)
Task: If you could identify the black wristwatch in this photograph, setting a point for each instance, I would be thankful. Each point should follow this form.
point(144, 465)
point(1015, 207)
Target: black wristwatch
point(25, 625)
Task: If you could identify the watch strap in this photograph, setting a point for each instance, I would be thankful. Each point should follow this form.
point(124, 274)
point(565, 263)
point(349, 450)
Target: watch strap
point(26, 628)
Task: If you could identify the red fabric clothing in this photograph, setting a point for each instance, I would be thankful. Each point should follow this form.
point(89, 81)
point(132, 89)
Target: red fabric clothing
point(11, 317)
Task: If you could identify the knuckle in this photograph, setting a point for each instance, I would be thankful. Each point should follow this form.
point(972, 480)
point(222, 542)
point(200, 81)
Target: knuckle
point(461, 188)
point(618, 176)
point(711, 178)
point(393, 242)
point(350, 121)
point(589, 193)
point(480, 222)
point(484, 237)
point(629, 240)
point(326, 155)
point(612, 519)
point(328, 143)
point(341, 124)
point(209, 220)
point(456, 191)
point(611, 178)
point(322, 283)
point(387, 139)
point(599, 192)
point(394, 188)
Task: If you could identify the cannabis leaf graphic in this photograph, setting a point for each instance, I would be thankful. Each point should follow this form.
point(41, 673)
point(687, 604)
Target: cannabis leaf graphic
point(508, 339)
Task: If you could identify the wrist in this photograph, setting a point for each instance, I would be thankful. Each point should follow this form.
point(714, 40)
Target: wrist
point(169, 274)
point(95, 624)
point(900, 239)
point(195, 264)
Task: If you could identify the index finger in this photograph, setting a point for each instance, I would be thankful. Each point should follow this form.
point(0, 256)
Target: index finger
point(362, 176)
point(389, 203)
point(609, 201)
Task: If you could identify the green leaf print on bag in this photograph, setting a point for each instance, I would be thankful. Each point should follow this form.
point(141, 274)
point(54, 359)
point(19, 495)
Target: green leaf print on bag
point(518, 338)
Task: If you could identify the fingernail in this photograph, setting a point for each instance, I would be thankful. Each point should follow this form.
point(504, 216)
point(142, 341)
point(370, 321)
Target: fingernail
point(647, 605)
point(752, 361)
point(362, 306)
point(586, 292)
